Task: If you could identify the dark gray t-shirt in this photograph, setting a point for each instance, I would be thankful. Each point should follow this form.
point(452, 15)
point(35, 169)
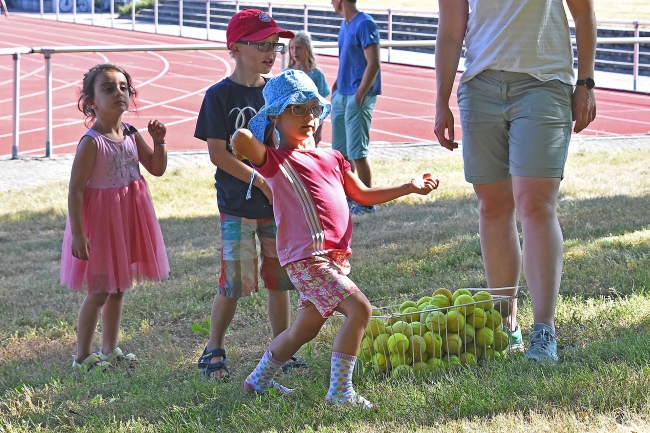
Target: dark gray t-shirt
point(226, 107)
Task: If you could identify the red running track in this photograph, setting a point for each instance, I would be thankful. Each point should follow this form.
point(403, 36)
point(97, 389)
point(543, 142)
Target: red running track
point(171, 86)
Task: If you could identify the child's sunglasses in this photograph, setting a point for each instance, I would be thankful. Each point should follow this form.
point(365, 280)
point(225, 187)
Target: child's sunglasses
point(301, 110)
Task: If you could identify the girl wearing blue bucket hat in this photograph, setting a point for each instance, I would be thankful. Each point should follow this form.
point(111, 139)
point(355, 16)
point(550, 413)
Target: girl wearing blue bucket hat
point(314, 234)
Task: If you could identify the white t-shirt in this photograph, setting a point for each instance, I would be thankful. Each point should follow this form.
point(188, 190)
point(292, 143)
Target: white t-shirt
point(529, 36)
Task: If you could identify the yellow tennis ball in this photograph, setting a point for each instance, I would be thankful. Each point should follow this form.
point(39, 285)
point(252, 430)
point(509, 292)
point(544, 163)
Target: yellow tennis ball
point(376, 311)
point(402, 327)
point(465, 304)
point(493, 319)
point(417, 347)
point(402, 370)
point(484, 337)
point(440, 301)
point(423, 300)
point(375, 327)
point(491, 354)
point(453, 361)
point(501, 341)
point(404, 305)
point(421, 368)
point(459, 292)
point(411, 314)
point(452, 343)
point(477, 319)
point(418, 328)
point(435, 364)
point(391, 320)
point(400, 359)
point(422, 357)
point(380, 363)
point(367, 348)
point(434, 343)
point(467, 334)
point(380, 345)
point(455, 320)
point(475, 350)
point(485, 300)
point(446, 292)
point(436, 321)
point(467, 359)
point(398, 343)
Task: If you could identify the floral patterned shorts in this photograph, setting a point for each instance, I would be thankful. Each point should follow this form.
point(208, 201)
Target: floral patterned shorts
point(322, 281)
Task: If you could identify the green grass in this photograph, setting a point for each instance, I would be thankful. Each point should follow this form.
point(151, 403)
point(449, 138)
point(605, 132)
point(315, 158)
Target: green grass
point(411, 246)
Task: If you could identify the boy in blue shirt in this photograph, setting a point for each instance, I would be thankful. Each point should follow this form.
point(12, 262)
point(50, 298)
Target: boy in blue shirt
point(355, 91)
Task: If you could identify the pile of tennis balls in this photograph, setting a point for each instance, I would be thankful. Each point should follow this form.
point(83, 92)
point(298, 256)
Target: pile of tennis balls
point(439, 331)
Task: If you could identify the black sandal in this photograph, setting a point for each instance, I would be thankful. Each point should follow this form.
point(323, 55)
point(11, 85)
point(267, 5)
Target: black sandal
point(293, 363)
point(207, 367)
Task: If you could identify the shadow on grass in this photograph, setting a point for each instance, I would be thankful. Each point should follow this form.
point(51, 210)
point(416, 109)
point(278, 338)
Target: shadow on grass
point(402, 250)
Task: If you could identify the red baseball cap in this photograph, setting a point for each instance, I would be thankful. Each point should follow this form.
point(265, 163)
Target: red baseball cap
point(253, 25)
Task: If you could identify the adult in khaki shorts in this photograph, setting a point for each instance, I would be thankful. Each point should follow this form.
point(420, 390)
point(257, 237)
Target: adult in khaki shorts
point(517, 101)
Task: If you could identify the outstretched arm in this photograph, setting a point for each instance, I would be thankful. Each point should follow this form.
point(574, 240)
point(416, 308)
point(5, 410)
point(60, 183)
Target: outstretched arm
point(359, 192)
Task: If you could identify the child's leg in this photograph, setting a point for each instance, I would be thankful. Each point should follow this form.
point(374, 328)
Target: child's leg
point(304, 329)
point(237, 278)
point(111, 319)
point(87, 323)
point(275, 278)
point(357, 311)
point(279, 309)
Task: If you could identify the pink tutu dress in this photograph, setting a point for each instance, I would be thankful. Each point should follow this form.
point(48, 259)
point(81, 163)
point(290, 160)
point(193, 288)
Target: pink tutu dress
point(120, 222)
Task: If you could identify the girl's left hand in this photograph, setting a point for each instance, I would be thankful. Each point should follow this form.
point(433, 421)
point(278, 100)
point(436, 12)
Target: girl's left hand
point(425, 184)
point(157, 131)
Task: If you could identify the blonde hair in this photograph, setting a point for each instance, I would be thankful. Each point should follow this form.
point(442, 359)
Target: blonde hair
point(305, 39)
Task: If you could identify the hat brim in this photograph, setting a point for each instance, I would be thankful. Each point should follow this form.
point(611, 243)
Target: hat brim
point(257, 125)
point(266, 32)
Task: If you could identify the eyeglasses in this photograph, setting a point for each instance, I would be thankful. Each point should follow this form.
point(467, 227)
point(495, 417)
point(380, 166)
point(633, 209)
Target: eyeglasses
point(301, 110)
point(265, 47)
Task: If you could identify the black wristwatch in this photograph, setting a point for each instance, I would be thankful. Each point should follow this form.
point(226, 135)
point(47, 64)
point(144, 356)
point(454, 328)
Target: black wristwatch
point(589, 83)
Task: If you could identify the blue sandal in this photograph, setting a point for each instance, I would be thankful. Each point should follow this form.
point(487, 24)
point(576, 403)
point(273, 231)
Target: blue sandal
point(293, 363)
point(207, 368)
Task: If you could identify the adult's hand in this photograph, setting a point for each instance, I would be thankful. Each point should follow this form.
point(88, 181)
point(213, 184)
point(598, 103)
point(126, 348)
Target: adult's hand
point(444, 128)
point(583, 107)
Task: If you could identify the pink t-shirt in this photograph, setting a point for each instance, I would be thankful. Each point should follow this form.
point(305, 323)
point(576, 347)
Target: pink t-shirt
point(309, 202)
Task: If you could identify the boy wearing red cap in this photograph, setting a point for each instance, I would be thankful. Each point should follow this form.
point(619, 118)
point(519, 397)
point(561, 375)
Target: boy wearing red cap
point(244, 199)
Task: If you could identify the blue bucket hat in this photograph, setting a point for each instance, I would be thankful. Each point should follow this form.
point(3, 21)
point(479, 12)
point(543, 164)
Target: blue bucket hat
point(290, 87)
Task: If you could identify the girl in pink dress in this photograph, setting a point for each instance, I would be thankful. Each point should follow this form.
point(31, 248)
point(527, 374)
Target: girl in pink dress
point(309, 188)
point(112, 235)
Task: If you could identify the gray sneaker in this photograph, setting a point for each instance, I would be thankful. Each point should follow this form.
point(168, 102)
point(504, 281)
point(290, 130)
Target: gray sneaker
point(360, 209)
point(543, 345)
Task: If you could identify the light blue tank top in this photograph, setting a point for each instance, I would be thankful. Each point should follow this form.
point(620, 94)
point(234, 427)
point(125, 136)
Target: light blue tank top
point(529, 36)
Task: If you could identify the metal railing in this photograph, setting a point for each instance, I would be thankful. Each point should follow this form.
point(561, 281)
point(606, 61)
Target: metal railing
point(323, 24)
point(48, 52)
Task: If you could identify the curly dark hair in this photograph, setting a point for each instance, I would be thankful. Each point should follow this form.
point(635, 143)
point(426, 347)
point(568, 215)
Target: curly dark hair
point(88, 89)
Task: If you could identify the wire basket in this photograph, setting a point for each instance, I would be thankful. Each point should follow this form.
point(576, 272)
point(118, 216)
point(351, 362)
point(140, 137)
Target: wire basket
point(438, 331)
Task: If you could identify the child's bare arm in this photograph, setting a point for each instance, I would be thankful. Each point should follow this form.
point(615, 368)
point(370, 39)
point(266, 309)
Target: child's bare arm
point(154, 161)
point(244, 142)
point(82, 167)
point(226, 161)
point(357, 191)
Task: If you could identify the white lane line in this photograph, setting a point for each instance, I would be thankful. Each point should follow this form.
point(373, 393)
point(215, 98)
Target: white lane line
point(22, 77)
